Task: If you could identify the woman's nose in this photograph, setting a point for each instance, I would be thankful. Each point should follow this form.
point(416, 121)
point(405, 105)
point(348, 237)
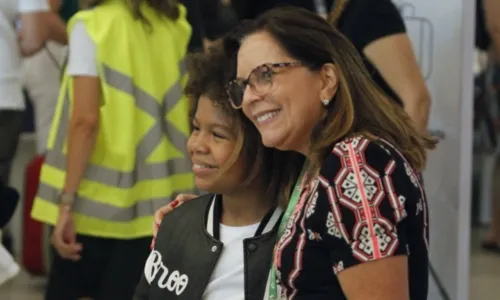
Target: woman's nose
point(249, 96)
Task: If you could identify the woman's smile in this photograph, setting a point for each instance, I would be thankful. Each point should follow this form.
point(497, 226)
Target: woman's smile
point(267, 117)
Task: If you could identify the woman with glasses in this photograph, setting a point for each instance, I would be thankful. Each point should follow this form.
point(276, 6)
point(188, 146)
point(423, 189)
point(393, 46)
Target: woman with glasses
point(356, 225)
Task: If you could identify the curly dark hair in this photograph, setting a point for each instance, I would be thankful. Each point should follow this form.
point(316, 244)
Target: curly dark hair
point(276, 171)
point(208, 75)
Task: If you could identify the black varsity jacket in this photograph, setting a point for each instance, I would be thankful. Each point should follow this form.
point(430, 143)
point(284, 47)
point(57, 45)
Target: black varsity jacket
point(187, 249)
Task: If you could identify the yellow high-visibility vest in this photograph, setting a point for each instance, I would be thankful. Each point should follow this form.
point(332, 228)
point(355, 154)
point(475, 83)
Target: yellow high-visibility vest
point(140, 158)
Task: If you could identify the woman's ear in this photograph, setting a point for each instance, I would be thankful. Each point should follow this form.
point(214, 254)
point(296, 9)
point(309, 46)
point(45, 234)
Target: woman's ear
point(330, 81)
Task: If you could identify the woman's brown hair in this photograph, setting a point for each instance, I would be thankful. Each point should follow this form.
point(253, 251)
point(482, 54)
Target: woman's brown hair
point(273, 170)
point(359, 106)
point(168, 8)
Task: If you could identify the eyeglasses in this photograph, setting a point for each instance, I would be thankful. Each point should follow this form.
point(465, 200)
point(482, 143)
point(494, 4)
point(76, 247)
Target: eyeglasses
point(260, 81)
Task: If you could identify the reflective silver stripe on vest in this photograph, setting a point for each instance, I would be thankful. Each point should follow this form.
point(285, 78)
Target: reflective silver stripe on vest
point(142, 170)
point(91, 208)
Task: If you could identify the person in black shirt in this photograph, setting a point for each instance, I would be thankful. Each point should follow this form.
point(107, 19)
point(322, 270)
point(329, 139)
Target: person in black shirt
point(194, 17)
point(209, 20)
point(488, 39)
point(377, 30)
point(250, 9)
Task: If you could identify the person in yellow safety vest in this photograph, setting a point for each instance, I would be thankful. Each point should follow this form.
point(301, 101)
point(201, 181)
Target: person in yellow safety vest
point(117, 147)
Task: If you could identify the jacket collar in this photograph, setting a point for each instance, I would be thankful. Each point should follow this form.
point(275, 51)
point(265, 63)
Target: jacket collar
point(270, 221)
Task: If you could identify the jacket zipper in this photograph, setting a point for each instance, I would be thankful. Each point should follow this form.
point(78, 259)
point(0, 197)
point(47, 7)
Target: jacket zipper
point(245, 270)
point(208, 278)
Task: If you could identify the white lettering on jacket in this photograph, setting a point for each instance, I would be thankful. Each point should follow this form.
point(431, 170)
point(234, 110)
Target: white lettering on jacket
point(175, 282)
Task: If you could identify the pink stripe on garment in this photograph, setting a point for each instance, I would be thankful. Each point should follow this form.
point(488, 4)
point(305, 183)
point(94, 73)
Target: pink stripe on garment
point(366, 203)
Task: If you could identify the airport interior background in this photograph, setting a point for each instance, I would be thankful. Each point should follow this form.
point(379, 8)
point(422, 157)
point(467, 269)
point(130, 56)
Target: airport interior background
point(442, 33)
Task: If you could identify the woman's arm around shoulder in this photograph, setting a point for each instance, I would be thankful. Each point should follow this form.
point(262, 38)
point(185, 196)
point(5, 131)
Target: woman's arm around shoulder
point(164, 210)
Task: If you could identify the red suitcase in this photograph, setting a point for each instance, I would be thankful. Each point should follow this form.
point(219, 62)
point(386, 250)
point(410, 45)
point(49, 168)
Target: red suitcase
point(36, 244)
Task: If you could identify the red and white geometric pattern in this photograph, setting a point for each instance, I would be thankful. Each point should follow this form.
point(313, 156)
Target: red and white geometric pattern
point(385, 238)
point(338, 267)
point(423, 201)
point(314, 236)
point(411, 173)
point(331, 226)
point(352, 210)
point(360, 188)
point(311, 205)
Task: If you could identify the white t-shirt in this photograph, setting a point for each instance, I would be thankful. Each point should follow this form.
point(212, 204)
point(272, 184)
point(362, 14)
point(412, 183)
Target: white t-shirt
point(82, 60)
point(11, 96)
point(228, 278)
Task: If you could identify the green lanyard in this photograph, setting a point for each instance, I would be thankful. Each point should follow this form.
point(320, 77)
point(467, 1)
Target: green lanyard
point(294, 199)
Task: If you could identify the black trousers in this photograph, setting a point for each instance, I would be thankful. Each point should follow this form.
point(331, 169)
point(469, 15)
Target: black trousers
point(109, 269)
point(11, 126)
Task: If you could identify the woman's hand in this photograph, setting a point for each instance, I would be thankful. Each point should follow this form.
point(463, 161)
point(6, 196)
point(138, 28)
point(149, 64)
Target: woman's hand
point(64, 236)
point(160, 213)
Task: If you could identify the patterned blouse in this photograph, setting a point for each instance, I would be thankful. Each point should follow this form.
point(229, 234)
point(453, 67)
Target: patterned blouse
point(366, 204)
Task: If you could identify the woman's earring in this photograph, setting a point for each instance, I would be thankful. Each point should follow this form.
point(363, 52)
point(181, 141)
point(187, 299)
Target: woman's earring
point(325, 102)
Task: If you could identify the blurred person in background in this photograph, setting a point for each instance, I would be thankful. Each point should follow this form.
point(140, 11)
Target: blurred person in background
point(42, 76)
point(219, 17)
point(8, 202)
point(195, 19)
point(250, 9)
point(117, 146)
point(25, 26)
point(200, 15)
point(377, 30)
point(488, 39)
point(492, 13)
point(209, 20)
